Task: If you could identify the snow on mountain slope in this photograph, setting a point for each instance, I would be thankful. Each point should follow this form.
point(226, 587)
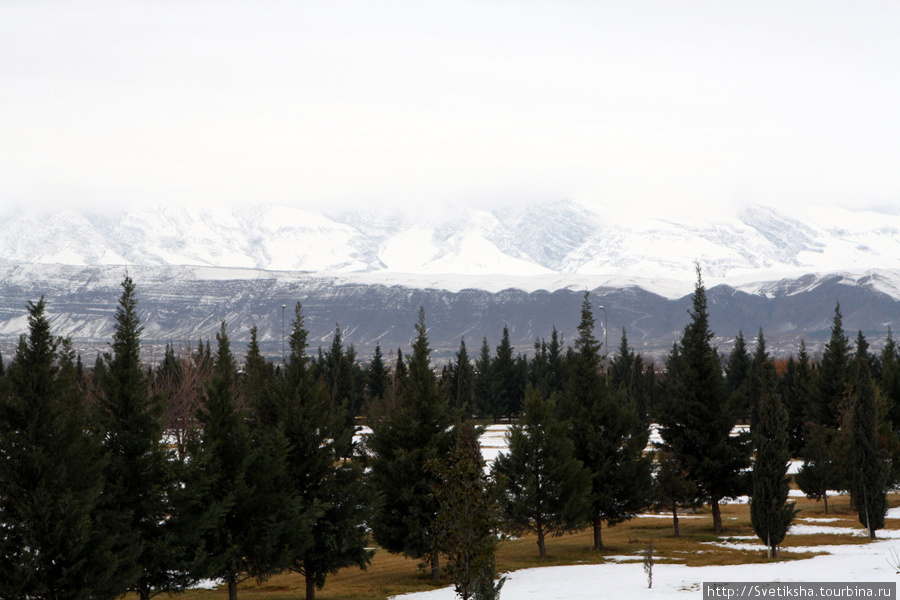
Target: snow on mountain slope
point(560, 244)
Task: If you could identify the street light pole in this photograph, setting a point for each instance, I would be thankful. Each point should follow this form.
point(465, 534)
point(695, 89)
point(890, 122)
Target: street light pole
point(283, 306)
point(605, 340)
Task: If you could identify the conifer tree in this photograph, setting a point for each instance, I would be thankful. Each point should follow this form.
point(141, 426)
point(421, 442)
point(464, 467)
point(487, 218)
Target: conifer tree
point(869, 480)
point(890, 380)
point(795, 391)
point(832, 382)
point(755, 379)
point(507, 389)
point(464, 381)
point(324, 471)
point(377, 376)
point(485, 387)
point(414, 432)
point(237, 485)
point(696, 418)
point(140, 479)
point(770, 512)
point(608, 435)
point(544, 487)
point(55, 544)
point(672, 487)
point(468, 520)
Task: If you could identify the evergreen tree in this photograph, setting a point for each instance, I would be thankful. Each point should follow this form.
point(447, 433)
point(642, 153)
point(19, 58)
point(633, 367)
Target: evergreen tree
point(464, 381)
point(325, 473)
point(870, 470)
point(55, 544)
point(770, 512)
point(468, 521)
point(672, 487)
point(608, 435)
point(544, 487)
point(484, 382)
point(795, 391)
point(414, 432)
point(696, 419)
point(755, 380)
point(820, 470)
point(238, 485)
point(140, 479)
point(377, 376)
point(507, 389)
point(890, 380)
point(621, 369)
point(737, 374)
point(831, 385)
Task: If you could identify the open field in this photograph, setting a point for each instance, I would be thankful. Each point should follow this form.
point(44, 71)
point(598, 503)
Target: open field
point(814, 534)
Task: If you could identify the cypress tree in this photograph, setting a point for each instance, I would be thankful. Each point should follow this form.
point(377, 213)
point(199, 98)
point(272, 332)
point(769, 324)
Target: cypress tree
point(696, 418)
point(55, 543)
point(608, 435)
point(544, 487)
point(770, 512)
point(869, 480)
point(507, 389)
point(415, 431)
point(795, 391)
point(140, 479)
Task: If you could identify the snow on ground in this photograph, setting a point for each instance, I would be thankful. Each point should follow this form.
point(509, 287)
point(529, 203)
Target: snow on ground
point(624, 576)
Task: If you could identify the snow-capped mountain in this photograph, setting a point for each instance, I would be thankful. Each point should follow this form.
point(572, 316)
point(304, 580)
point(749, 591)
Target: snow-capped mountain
point(563, 244)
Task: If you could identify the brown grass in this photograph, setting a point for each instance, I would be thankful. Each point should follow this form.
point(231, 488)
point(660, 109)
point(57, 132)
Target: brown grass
point(390, 575)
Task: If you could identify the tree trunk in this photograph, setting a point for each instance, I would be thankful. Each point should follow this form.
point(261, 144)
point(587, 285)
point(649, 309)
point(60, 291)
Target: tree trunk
point(143, 592)
point(717, 515)
point(675, 519)
point(435, 566)
point(542, 548)
point(598, 533)
point(232, 587)
point(310, 586)
point(825, 500)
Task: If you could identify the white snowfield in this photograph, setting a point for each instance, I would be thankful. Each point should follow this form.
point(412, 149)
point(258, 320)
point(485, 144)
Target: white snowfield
point(626, 578)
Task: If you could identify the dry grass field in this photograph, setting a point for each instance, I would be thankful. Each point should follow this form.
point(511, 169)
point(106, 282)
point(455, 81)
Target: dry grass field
point(389, 575)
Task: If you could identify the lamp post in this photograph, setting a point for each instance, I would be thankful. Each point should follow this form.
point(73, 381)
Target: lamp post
point(605, 340)
point(283, 306)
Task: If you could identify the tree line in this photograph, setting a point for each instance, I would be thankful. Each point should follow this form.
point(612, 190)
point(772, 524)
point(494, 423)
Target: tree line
point(120, 478)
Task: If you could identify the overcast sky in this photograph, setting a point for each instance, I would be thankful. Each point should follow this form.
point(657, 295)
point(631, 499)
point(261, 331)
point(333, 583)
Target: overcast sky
point(665, 105)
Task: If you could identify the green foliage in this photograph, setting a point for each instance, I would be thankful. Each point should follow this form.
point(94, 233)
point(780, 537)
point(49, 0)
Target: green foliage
point(672, 487)
point(55, 542)
point(696, 419)
point(140, 475)
point(545, 488)
point(869, 481)
point(795, 389)
point(237, 482)
point(770, 512)
point(468, 521)
point(832, 383)
point(608, 435)
point(416, 430)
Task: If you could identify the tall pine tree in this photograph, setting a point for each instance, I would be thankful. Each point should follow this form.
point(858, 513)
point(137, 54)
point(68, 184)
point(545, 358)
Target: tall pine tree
point(696, 418)
point(608, 435)
point(140, 478)
point(55, 542)
point(415, 431)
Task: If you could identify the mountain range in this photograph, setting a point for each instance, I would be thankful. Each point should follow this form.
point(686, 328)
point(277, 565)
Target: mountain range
point(474, 270)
